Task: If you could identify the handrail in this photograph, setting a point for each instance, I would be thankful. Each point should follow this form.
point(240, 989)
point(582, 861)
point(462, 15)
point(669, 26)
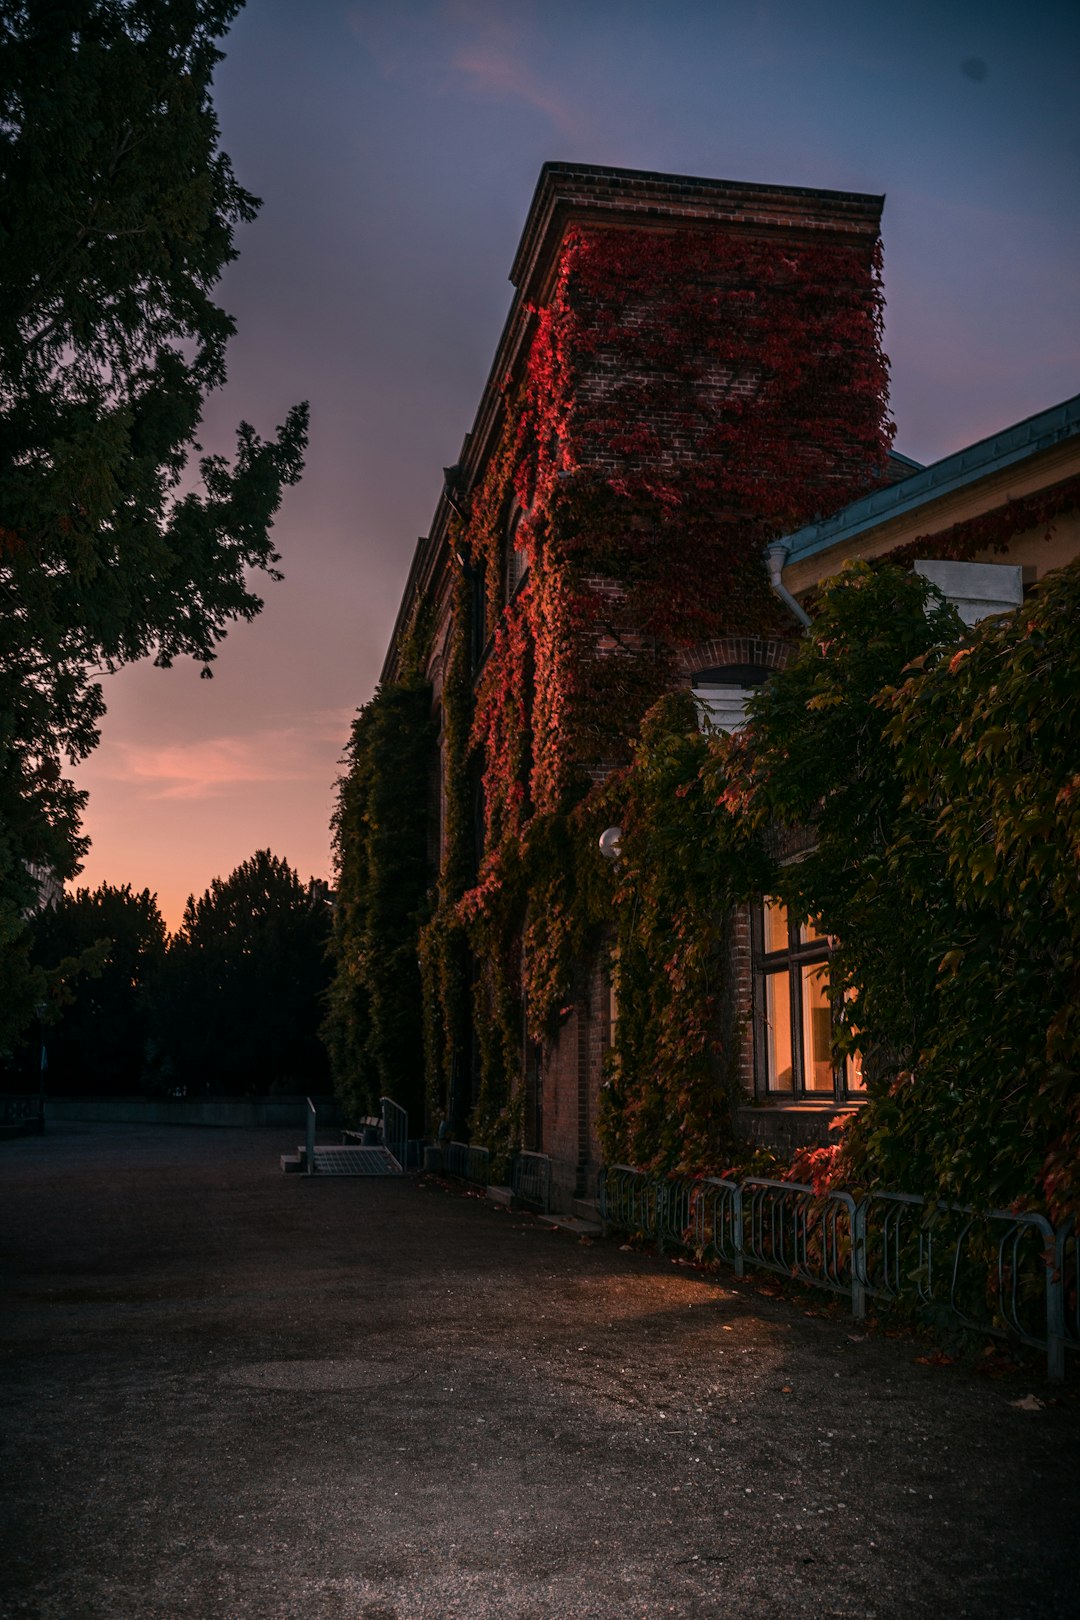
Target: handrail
point(395, 1129)
point(530, 1179)
point(309, 1157)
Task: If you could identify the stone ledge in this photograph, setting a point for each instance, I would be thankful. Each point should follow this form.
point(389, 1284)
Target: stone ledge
point(793, 1125)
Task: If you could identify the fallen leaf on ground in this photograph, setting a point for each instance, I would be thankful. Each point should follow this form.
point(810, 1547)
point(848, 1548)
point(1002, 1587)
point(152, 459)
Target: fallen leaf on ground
point(1029, 1403)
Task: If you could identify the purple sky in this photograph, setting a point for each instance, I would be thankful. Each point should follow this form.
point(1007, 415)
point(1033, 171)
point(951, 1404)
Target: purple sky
point(396, 144)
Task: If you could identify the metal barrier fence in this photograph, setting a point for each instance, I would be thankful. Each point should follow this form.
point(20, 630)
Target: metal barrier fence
point(468, 1163)
point(1003, 1273)
point(718, 1222)
point(23, 1113)
point(530, 1180)
point(395, 1129)
point(997, 1272)
point(788, 1229)
point(1067, 1266)
point(309, 1155)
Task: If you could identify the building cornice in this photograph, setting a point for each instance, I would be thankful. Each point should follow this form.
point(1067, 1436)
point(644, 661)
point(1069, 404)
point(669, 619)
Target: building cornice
point(980, 477)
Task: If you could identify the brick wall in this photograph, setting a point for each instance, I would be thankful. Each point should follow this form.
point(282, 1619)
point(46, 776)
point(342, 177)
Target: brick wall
point(765, 652)
point(705, 397)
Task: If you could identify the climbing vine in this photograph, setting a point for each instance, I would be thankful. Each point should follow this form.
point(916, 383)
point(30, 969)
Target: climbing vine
point(999, 526)
point(382, 876)
point(937, 769)
point(684, 396)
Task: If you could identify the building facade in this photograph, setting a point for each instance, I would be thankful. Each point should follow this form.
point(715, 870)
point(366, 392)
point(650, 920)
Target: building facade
point(690, 372)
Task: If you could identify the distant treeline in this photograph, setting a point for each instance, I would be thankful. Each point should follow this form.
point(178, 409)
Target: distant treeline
point(230, 1003)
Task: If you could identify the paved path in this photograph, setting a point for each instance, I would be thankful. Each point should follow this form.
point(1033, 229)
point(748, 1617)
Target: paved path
point(234, 1394)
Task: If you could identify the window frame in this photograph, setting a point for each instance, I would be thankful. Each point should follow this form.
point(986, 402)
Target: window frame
point(515, 559)
point(797, 954)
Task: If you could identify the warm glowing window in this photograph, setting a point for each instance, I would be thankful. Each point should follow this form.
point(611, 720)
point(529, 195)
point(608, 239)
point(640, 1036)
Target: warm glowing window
point(795, 1013)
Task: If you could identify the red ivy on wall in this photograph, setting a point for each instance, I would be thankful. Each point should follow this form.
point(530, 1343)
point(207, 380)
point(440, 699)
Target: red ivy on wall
point(686, 396)
point(997, 528)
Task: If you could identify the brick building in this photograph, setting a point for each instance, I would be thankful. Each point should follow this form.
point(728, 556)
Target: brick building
point(690, 371)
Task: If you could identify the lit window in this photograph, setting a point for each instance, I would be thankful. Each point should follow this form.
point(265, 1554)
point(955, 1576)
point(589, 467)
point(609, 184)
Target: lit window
point(795, 1018)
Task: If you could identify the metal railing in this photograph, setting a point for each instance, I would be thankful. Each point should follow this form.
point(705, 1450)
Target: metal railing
point(997, 1273)
point(718, 1222)
point(1004, 1273)
point(530, 1180)
point(21, 1110)
point(309, 1157)
point(789, 1229)
point(395, 1130)
point(467, 1163)
point(1067, 1267)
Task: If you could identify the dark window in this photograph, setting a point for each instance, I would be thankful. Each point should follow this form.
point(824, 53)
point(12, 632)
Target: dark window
point(479, 816)
point(534, 1097)
point(437, 793)
point(516, 564)
point(479, 615)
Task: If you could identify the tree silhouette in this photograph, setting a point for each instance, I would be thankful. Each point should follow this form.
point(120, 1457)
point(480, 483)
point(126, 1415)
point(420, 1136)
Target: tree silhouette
point(241, 999)
point(117, 213)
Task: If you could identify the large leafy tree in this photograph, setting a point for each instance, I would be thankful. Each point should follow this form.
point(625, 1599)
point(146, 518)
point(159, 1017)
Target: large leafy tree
point(244, 984)
point(118, 539)
point(99, 1028)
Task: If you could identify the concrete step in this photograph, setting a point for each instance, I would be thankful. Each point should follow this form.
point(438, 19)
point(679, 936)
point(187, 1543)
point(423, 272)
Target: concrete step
point(586, 1209)
point(333, 1160)
point(501, 1195)
point(573, 1223)
point(355, 1161)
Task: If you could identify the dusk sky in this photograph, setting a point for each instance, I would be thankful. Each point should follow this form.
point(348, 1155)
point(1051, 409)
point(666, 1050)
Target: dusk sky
point(396, 145)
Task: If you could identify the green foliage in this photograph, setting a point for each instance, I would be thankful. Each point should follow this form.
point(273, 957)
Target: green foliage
point(820, 757)
point(244, 984)
point(933, 773)
point(373, 1030)
point(100, 1022)
point(987, 743)
point(117, 213)
point(939, 771)
point(446, 965)
point(684, 860)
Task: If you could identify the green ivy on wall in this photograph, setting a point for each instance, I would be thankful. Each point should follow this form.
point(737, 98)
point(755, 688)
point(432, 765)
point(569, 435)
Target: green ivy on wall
point(938, 769)
point(380, 832)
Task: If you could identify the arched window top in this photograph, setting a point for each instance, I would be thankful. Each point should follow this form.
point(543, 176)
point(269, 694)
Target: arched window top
point(731, 675)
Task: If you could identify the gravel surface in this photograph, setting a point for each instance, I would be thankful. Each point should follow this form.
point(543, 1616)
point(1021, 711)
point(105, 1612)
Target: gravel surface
point(231, 1393)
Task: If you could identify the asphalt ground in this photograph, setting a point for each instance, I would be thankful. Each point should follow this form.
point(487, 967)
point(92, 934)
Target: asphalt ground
point(231, 1393)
